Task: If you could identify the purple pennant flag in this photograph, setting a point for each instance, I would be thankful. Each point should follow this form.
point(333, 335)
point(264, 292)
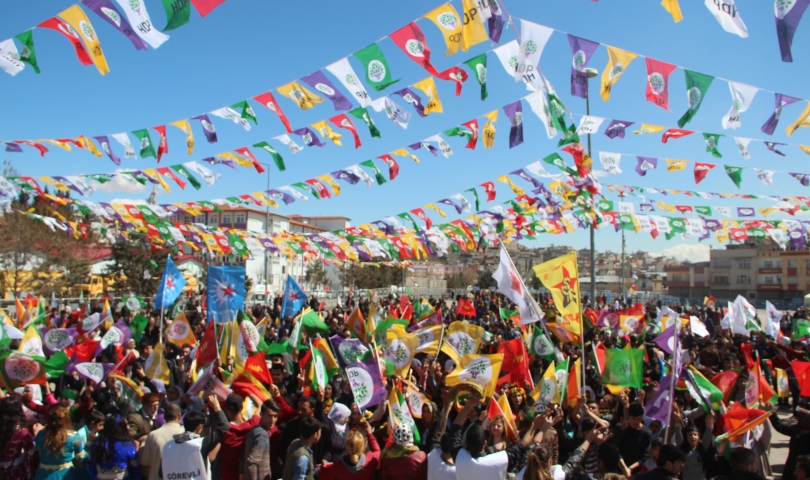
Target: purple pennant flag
point(366, 383)
point(780, 101)
point(772, 147)
point(388, 229)
point(525, 176)
point(220, 161)
point(197, 240)
point(424, 240)
point(745, 212)
point(117, 336)
point(666, 339)
point(704, 234)
point(57, 339)
point(788, 15)
point(319, 82)
point(12, 147)
point(362, 251)
point(70, 185)
point(496, 22)
point(416, 146)
point(106, 10)
point(208, 127)
point(346, 176)
point(411, 97)
point(646, 207)
point(269, 245)
point(174, 209)
point(797, 239)
point(105, 145)
point(659, 407)
point(349, 350)
point(494, 215)
point(582, 50)
point(616, 128)
point(515, 113)
point(279, 195)
point(646, 163)
point(712, 224)
point(430, 321)
point(802, 178)
point(96, 372)
point(110, 211)
point(309, 137)
point(447, 201)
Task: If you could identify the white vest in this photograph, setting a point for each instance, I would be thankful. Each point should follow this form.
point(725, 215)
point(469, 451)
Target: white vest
point(489, 467)
point(437, 468)
point(182, 461)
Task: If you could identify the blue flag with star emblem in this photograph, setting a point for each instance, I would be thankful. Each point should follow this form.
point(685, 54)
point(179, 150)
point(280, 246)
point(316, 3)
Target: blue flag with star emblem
point(171, 285)
point(225, 292)
point(294, 298)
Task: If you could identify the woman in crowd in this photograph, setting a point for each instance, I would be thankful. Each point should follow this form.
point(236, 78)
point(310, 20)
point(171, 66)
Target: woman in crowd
point(496, 435)
point(428, 424)
point(361, 460)
point(18, 457)
point(403, 460)
point(59, 445)
point(337, 419)
point(114, 455)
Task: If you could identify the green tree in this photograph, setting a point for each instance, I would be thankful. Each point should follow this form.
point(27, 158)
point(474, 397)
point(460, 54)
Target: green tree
point(535, 282)
point(460, 280)
point(315, 275)
point(377, 276)
point(485, 280)
point(131, 259)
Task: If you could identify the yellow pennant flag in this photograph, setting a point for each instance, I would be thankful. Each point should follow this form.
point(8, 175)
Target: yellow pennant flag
point(156, 366)
point(561, 278)
point(564, 334)
point(505, 179)
point(665, 207)
point(805, 149)
point(462, 338)
point(401, 152)
point(673, 8)
point(481, 370)
point(730, 223)
point(56, 143)
point(54, 183)
point(722, 235)
point(211, 242)
point(545, 391)
point(265, 199)
point(300, 95)
point(574, 382)
point(767, 211)
point(154, 175)
point(331, 182)
point(186, 128)
point(446, 18)
point(326, 131)
point(416, 400)
point(180, 333)
point(648, 128)
point(88, 145)
point(472, 31)
point(676, 165)
point(75, 16)
point(400, 349)
point(618, 62)
point(429, 339)
point(782, 386)
point(242, 161)
point(435, 208)
point(433, 103)
point(31, 343)
point(488, 133)
point(802, 121)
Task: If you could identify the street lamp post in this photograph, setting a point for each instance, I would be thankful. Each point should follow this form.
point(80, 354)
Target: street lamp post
point(591, 73)
point(266, 231)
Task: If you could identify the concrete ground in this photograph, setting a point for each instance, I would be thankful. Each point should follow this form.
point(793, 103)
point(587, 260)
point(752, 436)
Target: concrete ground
point(779, 447)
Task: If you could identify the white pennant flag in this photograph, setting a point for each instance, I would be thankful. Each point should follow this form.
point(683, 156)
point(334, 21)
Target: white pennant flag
point(533, 40)
point(444, 147)
point(10, 58)
point(508, 55)
point(610, 162)
point(207, 175)
point(465, 204)
point(627, 208)
point(135, 11)
point(395, 113)
point(511, 284)
point(741, 95)
point(395, 222)
point(230, 114)
point(725, 211)
point(343, 71)
point(742, 144)
point(123, 139)
point(725, 11)
point(355, 169)
point(295, 193)
point(765, 175)
point(539, 104)
point(286, 140)
point(589, 124)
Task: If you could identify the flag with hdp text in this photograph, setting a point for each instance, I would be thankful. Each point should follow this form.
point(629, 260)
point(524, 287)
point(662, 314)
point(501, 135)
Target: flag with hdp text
point(171, 285)
point(511, 285)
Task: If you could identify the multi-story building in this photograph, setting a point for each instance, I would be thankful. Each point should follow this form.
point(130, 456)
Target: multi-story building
point(689, 280)
point(734, 271)
point(782, 275)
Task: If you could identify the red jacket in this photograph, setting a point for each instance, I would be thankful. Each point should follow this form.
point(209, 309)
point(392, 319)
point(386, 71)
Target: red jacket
point(339, 471)
point(233, 446)
point(405, 468)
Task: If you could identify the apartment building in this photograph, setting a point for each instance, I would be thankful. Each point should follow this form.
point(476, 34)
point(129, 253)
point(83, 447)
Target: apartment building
point(733, 271)
point(689, 280)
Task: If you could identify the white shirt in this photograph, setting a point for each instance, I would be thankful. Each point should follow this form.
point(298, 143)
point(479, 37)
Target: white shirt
point(183, 460)
point(438, 469)
point(491, 466)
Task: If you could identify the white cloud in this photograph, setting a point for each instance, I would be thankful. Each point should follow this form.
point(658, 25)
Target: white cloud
point(692, 252)
point(121, 184)
point(128, 201)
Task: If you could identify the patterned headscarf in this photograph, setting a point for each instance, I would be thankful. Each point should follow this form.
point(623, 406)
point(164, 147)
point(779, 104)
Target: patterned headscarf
point(403, 443)
point(403, 436)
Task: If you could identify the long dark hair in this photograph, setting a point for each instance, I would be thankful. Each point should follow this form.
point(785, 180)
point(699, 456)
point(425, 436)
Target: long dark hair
point(115, 430)
point(11, 417)
point(57, 426)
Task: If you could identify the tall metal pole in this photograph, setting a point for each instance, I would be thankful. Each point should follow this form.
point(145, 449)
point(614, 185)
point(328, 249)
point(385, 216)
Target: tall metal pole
point(591, 73)
point(266, 231)
point(624, 293)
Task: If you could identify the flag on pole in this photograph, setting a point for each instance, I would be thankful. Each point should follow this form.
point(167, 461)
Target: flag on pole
point(294, 298)
point(561, 278)
point(171, 285)
point(511, 284)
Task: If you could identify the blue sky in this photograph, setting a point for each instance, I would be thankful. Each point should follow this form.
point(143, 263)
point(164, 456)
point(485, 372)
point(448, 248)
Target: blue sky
point(248, 47)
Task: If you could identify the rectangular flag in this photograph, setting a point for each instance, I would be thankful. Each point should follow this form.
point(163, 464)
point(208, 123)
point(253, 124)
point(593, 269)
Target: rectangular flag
point(294, 298)
point(171, 285)
point(226, 292)
point(561, 278)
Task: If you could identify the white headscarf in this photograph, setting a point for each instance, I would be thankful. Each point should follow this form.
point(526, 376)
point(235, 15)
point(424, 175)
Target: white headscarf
point(339, 415)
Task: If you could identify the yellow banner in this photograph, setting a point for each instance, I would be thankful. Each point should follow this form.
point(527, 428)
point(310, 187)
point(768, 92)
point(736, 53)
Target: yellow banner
point(618, 62)
point(186, 128)
point(446, 18)
point(300, 95)
point(676, 165)
point(561, 278)
point(472, 31)
point(433, 103)
point(326, 131)
point(78, 20)
point(488, 133)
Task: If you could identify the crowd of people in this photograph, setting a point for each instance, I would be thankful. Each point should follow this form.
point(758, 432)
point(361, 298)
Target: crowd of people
point(71, 427)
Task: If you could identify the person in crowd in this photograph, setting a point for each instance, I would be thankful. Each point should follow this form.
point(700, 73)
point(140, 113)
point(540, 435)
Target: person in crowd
point(18, 456)
point(232, 447)
point(150, 455)
point(799, 435)
point(802, 470)
point(743, 466)
point(668, 465)
point(299, 463)
point(337, 419)
point(633, 441)
point(114, 455)
point(403, 459)
point(181, 456)
point(59, 445)
point(151, 411)
point(361, 460)
point(258, 461)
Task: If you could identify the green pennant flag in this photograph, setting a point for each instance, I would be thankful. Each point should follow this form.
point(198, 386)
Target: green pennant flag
point(801, 328)
point(320, 377)
point(312, 324)
point(407, 216)
point(383, 325)
point(277, 159)
point(28, 54)
point(557, 114)
point(362, 114)
point(626, 222)
point(677, 225)
point(370, 164)
point(507, 314)
point(697, 84)
point(309, 188)
point(703, 210)
point(735, 174)
point(207, 204)
point(238, 245)
point(713, 144)
point(479, 66)
point(57, 364)
point(378, 73)
point(624, 367)
point(556, 160)
point(147, 148)
point(247, 112)
point(605, 205)
point(147, 213)
point(138, 178)
point(540, 345)
point(177, 12)
point(152, 263)
point(477, 202)
point(187, 175)
point(459, 131)
point(134, 303)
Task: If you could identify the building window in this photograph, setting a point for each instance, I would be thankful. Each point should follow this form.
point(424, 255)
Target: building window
point(213, 219)
point(226, 218)
point(239, 218)
point(677, 278)
point(743, 279)
point(745, 263)
point(187, 218)
point(769, 280)
point(175, 218)
point(793, 281)
point(807, 265)
point(767, 264)
point(700, 278)
point(792, 264)
point(720, 280)
point(199, 218)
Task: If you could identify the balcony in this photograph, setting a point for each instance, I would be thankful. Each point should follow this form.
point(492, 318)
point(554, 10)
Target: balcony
point(777, 270)
point(792, 271)
point(769, 286)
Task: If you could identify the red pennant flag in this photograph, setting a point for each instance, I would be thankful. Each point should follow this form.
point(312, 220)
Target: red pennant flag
point(342, 121)
point(725, 381)
point(163, 145)
point(802, 372)
point(321, 188)
point(490, 188)
point(658, 82)
point(82, 352)
point(455, 74)
point(515, 361)
point(244, 151)
point(684, 208)
point(739, 234)
point(223, 243)
point(204, 7)
point(270, 102)
point(701, 170)
point(472, 125)
point(393, 166)
point(42, 148)
point(207, 351)
point(581, 158)
point(465, 307)
point(675, 133)
point(61, 26)
point(412, 41)
point(637, 309)
point(256, 365)
point(421, 214)
point(167, 172)
point(71, 141)
point(739, 420)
